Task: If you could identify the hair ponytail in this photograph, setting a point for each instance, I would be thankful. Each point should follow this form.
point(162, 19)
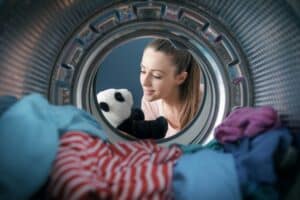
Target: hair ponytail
point(190, 94)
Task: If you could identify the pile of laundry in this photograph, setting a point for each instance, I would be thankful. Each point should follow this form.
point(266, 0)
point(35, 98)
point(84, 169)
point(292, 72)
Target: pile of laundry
point(61, 152)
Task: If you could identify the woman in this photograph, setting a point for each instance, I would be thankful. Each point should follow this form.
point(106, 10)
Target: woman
point(170, 78)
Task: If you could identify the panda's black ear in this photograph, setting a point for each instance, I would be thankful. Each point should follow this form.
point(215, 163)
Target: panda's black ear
point(104, 106)
point(119, 97)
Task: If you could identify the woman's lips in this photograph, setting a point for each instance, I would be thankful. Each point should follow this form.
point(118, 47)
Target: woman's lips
point(148, 92)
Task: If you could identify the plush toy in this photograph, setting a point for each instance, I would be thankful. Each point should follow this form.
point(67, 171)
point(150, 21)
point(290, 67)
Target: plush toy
point(117, 107)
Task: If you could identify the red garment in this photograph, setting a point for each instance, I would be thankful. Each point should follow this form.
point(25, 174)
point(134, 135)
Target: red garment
point(87, 168)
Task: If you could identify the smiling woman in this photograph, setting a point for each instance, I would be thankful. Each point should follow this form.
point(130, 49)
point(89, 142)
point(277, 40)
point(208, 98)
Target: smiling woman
point(168, 76)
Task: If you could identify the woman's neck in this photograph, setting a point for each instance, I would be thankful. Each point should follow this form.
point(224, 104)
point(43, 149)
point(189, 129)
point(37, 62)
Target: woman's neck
point(171, 109)
point(173, 102)
point(173, 106)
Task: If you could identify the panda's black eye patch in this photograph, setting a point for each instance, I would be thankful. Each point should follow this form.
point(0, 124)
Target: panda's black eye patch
point(104, 106)
point(119, 97)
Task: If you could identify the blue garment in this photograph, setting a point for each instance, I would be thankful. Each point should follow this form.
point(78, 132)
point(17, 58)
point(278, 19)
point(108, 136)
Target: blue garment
point(191, 148)
point(6, 102)
point(255, 158)
point(205, 174)
point(30, 131)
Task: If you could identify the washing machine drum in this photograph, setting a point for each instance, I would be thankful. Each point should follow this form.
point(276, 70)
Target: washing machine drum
point(249, 51)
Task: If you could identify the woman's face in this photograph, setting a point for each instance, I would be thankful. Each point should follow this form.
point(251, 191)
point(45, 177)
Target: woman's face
point(158, 77)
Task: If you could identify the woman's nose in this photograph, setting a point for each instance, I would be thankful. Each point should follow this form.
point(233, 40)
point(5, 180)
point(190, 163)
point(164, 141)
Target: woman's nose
point(146, 80)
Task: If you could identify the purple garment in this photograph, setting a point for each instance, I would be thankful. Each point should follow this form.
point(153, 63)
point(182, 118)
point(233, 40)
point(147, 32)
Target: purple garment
point(247, 122)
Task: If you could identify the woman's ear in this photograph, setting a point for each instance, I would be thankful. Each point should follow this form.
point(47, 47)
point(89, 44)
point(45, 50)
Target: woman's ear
point(181, 77)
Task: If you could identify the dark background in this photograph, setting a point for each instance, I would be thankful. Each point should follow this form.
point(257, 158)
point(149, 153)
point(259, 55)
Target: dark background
point(121, 69)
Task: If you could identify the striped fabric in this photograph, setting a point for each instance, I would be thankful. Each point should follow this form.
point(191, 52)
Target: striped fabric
point(88, 168)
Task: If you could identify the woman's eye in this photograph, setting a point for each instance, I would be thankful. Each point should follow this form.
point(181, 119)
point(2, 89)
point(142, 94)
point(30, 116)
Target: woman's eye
point(157, 76)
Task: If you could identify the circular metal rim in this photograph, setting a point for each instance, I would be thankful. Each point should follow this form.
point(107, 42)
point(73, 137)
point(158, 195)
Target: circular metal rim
point(226, 83)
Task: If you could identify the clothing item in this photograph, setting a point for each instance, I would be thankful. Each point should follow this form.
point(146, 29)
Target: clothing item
point(6, 102)
point(261, 192)
point(87, 167)
point(192, 148)
point(294, 192)
point(205, 174)
point(30, 131)
point(247, 122)
point(255, 159)
point(153, 110)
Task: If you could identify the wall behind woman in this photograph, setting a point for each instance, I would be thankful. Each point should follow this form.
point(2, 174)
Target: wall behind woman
point(121, 69)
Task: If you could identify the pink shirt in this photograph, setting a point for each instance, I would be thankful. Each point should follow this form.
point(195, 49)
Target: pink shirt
point(153, 110)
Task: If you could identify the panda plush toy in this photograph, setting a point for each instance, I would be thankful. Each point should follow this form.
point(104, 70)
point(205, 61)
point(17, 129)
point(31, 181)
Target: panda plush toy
point(117, 107)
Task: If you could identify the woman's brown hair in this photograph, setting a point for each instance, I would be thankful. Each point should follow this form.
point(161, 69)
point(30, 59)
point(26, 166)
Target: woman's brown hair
point(190, 92)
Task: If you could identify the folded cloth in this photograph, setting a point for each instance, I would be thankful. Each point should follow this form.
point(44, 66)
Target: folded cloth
point(88, 168)
point(30, 131)
point(255, 159)
point(205, 174)
point(247, 122)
